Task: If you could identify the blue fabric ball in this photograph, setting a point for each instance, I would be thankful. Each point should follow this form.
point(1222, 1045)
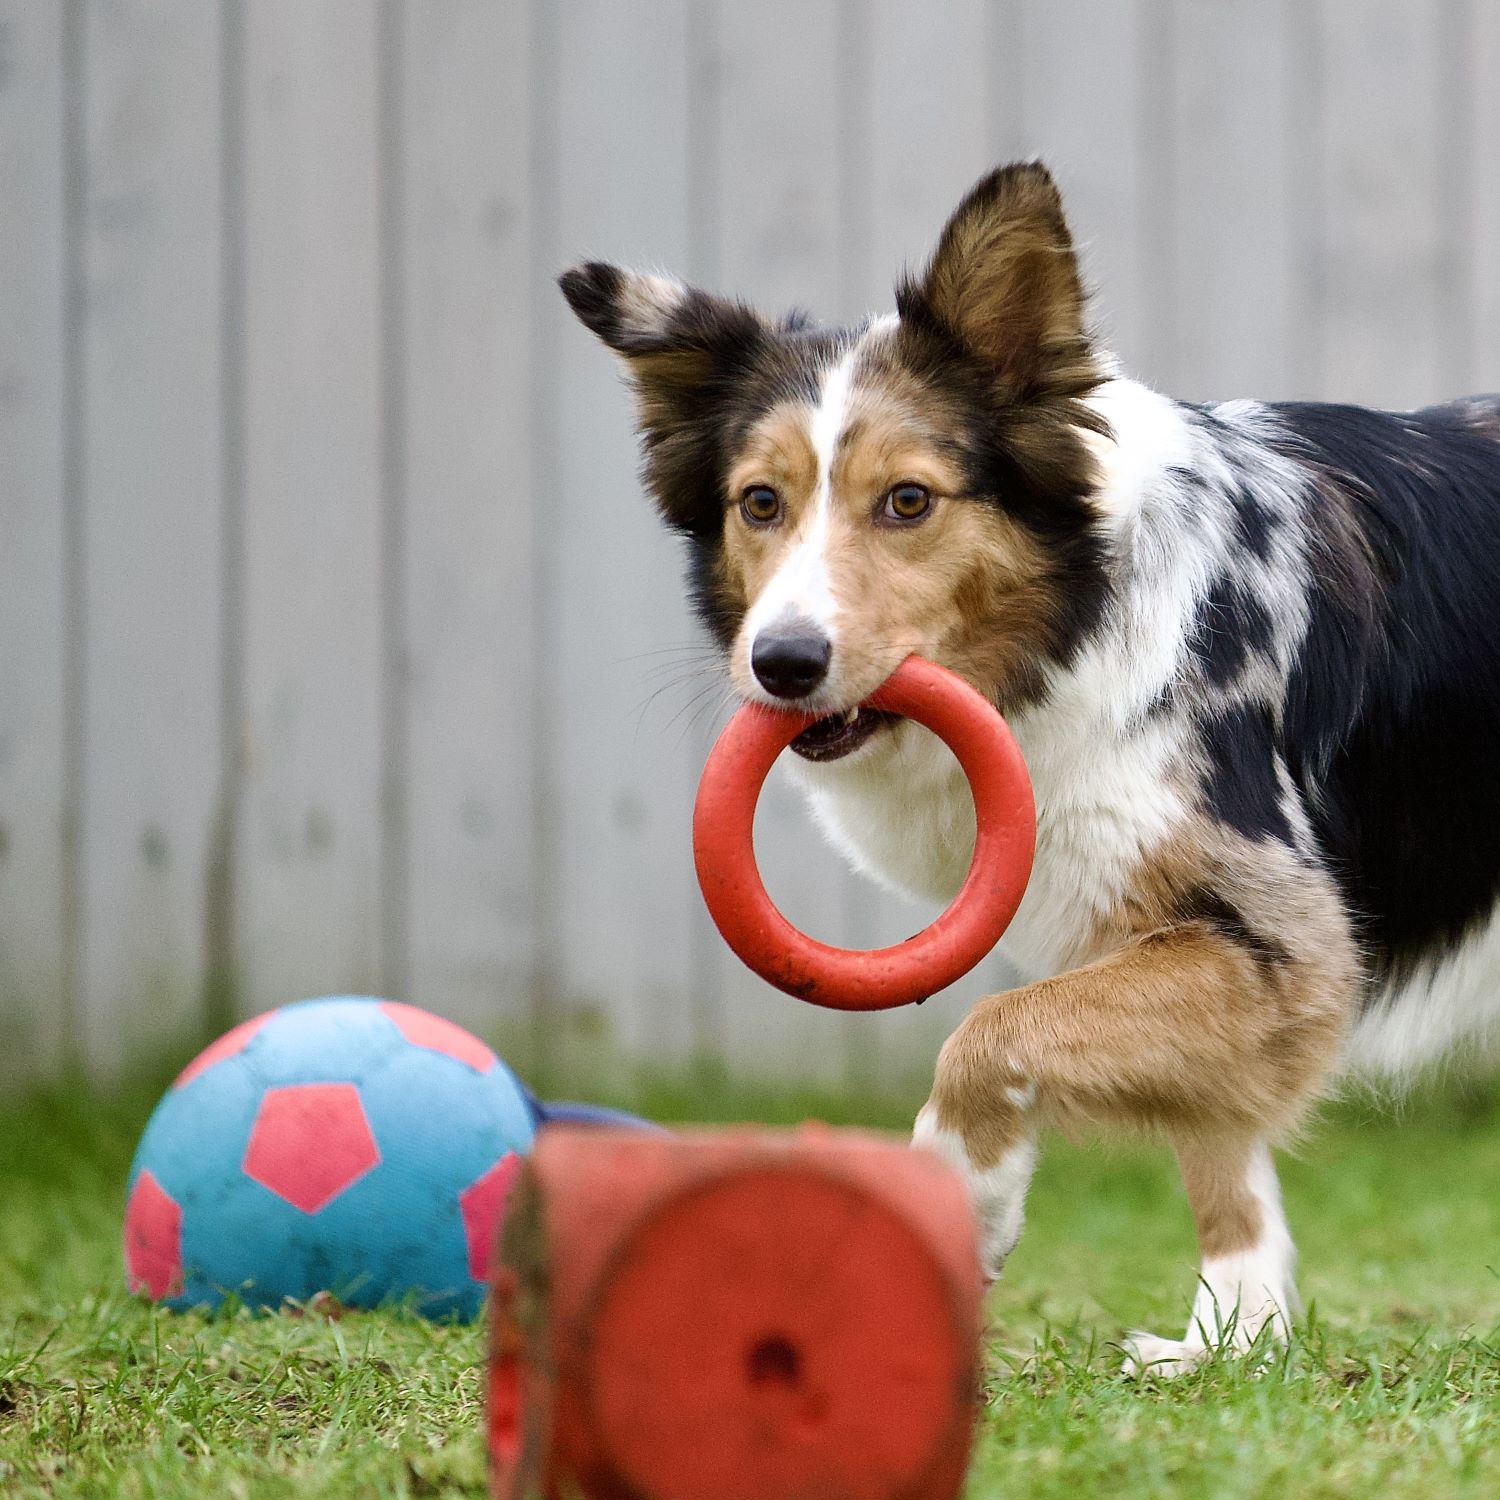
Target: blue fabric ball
point(353, 1146)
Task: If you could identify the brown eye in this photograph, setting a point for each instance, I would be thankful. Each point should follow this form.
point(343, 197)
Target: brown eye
point(907, 502)
point(761, 505)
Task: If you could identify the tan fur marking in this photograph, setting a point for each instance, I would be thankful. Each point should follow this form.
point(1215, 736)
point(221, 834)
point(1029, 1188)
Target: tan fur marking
point(777, 452)
point(1228, 1216)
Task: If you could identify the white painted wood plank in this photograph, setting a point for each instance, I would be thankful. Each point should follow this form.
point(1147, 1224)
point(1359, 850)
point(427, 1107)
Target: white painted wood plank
point(779, 180)
point(1083, 99)
point(917, 164)
point(618, 772)
point(1234, 235)
point(1306, 83)
point(153, 522)
point(1484, 183)
point(778, 133)
point(33, 961)
point(471, 508)
point(1461, 175)
point(918, 161)
point(309, 838)
point(1003, 43)
point(1385, 246)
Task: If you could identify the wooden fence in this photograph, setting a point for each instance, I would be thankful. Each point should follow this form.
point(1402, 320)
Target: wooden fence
point(337, 650)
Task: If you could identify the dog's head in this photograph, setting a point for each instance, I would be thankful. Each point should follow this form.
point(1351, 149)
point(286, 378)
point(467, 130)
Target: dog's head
point(920, 483)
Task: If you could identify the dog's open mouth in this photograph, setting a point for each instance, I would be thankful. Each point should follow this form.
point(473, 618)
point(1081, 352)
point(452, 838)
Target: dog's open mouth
point(839, 735)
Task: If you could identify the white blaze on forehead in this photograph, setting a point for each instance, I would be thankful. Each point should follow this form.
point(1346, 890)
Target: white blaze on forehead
point(802, 586)
point(829, 416)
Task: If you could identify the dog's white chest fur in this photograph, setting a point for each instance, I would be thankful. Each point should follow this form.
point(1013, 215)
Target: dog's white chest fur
point(904, 816)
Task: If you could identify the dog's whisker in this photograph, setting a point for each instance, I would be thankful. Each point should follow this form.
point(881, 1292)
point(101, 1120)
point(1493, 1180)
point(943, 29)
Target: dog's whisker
point(706, 694)
point(661, 692)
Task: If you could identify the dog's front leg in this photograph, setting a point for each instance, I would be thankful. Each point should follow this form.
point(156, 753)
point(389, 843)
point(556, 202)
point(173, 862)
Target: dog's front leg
point(995, 1152)
point(1188, 1028)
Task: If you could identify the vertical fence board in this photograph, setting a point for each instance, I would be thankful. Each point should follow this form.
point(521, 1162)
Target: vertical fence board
point(919, 161)
point(1483, 154)
point(309, 838)
point(33, 961)
point(618, 769)
point(1385, 251)
point(919, 164)
point(1231, 163)
point(1458, 171)
point(153, 522)
point(1083, 113)
point(472, 508)
point(778, 177)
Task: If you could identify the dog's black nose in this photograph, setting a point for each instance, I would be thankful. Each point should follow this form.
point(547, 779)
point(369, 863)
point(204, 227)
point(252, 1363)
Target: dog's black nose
point(790, 660)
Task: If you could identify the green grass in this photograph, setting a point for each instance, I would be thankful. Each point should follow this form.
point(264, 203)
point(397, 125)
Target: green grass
point(1392, 1390)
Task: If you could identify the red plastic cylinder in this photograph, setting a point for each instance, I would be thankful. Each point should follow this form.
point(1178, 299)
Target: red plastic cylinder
point(738, 1316)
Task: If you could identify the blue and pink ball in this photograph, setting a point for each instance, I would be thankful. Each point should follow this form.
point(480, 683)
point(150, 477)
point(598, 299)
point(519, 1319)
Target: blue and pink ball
point(358, 1147)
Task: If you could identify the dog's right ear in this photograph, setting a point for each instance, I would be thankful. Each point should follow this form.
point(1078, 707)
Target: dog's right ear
point(669, 334)
point(686, 352)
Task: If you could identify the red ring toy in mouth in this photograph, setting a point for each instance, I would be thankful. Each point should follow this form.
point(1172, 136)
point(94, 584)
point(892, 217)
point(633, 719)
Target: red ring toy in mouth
point(878, 978)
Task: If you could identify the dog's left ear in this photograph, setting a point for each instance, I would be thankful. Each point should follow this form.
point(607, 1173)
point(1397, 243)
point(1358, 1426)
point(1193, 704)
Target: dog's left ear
point(1004, 284)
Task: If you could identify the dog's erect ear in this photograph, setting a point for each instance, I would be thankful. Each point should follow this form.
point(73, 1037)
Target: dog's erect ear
point(669, 333)
point(1004, 284)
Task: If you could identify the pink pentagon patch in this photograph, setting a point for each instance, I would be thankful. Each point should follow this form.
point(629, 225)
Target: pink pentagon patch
point(423, 1029)
point(153, 1239)
point(483, 1206)
point(232, 1042)
point(309, 1142)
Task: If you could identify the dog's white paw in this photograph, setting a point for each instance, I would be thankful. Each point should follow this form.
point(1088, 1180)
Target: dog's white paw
point(1257, 1339)
point(997, 1193)
point(1148, 1355)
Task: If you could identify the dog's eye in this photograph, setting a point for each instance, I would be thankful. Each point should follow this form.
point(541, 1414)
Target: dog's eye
point(761, 505)
point(907, 502)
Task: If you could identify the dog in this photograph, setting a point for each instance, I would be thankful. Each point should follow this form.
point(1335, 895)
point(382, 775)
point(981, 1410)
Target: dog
point(1251, 652)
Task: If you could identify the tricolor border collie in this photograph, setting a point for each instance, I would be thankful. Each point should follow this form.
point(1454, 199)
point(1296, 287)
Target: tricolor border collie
point(1251, 652)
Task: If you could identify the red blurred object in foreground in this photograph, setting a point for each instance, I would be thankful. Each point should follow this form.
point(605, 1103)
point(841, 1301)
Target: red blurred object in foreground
point(748, 1315)
point(843, 978)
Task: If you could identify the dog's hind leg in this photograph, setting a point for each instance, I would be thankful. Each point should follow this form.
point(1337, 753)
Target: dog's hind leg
point(1246, 1294)
point(1190, 1028)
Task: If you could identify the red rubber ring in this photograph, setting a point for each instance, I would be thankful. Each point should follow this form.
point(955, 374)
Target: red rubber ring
point(879, 978)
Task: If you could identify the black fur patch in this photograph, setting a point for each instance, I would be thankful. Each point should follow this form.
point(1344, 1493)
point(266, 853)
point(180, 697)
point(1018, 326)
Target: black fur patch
point(593, 292)
point(1392, 717)
point(1230, 624)
point(1253, 524)
point(702, 574)
point(1240, 784)
point(1203, 904)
